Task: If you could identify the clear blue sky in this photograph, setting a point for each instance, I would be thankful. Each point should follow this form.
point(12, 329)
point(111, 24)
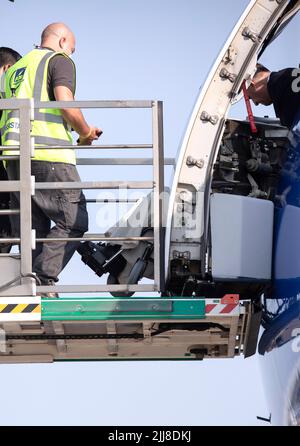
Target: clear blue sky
point(135, 49)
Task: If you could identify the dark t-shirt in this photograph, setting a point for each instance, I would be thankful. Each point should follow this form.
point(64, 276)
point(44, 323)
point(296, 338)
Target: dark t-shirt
point(284, 89)
point(61, 73)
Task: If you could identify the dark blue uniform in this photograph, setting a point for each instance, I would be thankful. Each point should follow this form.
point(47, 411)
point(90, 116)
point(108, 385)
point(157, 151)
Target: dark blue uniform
point(284, 89)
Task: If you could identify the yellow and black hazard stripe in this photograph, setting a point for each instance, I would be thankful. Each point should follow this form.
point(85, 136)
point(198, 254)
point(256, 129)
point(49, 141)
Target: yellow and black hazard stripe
point(20, 308)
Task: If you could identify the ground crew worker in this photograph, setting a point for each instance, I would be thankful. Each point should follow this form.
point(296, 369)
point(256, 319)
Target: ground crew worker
point(282, 89)
point(47, 73)
point(8, 57)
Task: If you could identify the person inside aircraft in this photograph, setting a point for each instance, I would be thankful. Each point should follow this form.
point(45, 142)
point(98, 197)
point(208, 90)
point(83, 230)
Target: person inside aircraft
point(280, 89)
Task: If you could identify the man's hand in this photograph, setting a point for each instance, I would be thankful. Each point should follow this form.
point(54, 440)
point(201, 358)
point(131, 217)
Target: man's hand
point(93, 135)
point(75, 119)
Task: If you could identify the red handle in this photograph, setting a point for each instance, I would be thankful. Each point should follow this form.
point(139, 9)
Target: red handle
point(249, 110)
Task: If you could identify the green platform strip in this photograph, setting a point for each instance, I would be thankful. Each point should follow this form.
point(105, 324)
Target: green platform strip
point(103, 309)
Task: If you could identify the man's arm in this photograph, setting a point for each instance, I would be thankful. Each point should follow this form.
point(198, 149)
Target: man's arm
point(74, 117)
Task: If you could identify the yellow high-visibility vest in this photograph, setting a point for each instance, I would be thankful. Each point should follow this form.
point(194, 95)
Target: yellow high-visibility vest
point(27, 78)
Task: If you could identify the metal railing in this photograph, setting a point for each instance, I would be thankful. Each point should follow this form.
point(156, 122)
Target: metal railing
point(27, 187)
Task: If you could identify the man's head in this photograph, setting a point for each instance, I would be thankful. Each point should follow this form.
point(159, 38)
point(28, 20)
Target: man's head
point(258, 90)
point(58, 37)
point(8, 57)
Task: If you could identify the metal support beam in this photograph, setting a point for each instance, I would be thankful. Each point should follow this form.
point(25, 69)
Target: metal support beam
point(119, 309)
point(25, 194)
point(94, 147)
point(94, 104)
point(99, 288)
point(122, 162)
point(158, 173)
point(9, 186)
point(95, 185)
point(9, 212)
point(94, 238)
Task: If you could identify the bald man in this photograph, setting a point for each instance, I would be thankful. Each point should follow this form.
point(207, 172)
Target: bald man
point(61, 78)
point(280, 89)
point(47, 73)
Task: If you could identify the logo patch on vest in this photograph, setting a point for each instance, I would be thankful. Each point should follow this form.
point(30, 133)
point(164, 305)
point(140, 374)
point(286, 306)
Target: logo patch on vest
point(17, 78)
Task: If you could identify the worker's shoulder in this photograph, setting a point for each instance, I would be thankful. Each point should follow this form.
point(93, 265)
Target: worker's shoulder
point(283, 78)
point(286, 73)
point(60, 61)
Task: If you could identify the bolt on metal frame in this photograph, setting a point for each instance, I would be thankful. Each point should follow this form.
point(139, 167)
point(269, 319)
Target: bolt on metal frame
point(26, 186)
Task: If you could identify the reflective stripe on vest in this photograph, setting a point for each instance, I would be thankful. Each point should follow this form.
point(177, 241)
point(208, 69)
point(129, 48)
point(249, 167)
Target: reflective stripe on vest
point(37, 94)
point(46, 117)
point(43, 140)
point(49, 128)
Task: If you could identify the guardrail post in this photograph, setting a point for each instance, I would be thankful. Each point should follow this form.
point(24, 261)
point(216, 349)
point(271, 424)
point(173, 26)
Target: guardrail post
point(158, 173)
point(26, 106)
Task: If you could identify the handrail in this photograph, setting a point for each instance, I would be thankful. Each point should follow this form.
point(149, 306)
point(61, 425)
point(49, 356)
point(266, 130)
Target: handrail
point(95, 185)
point(94, 147)
point(26, 185)
point(19, 104)
point(94, 104)
point(95, 238)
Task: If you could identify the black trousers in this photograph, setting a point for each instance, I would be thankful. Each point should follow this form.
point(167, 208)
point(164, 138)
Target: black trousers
point(66, 208)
